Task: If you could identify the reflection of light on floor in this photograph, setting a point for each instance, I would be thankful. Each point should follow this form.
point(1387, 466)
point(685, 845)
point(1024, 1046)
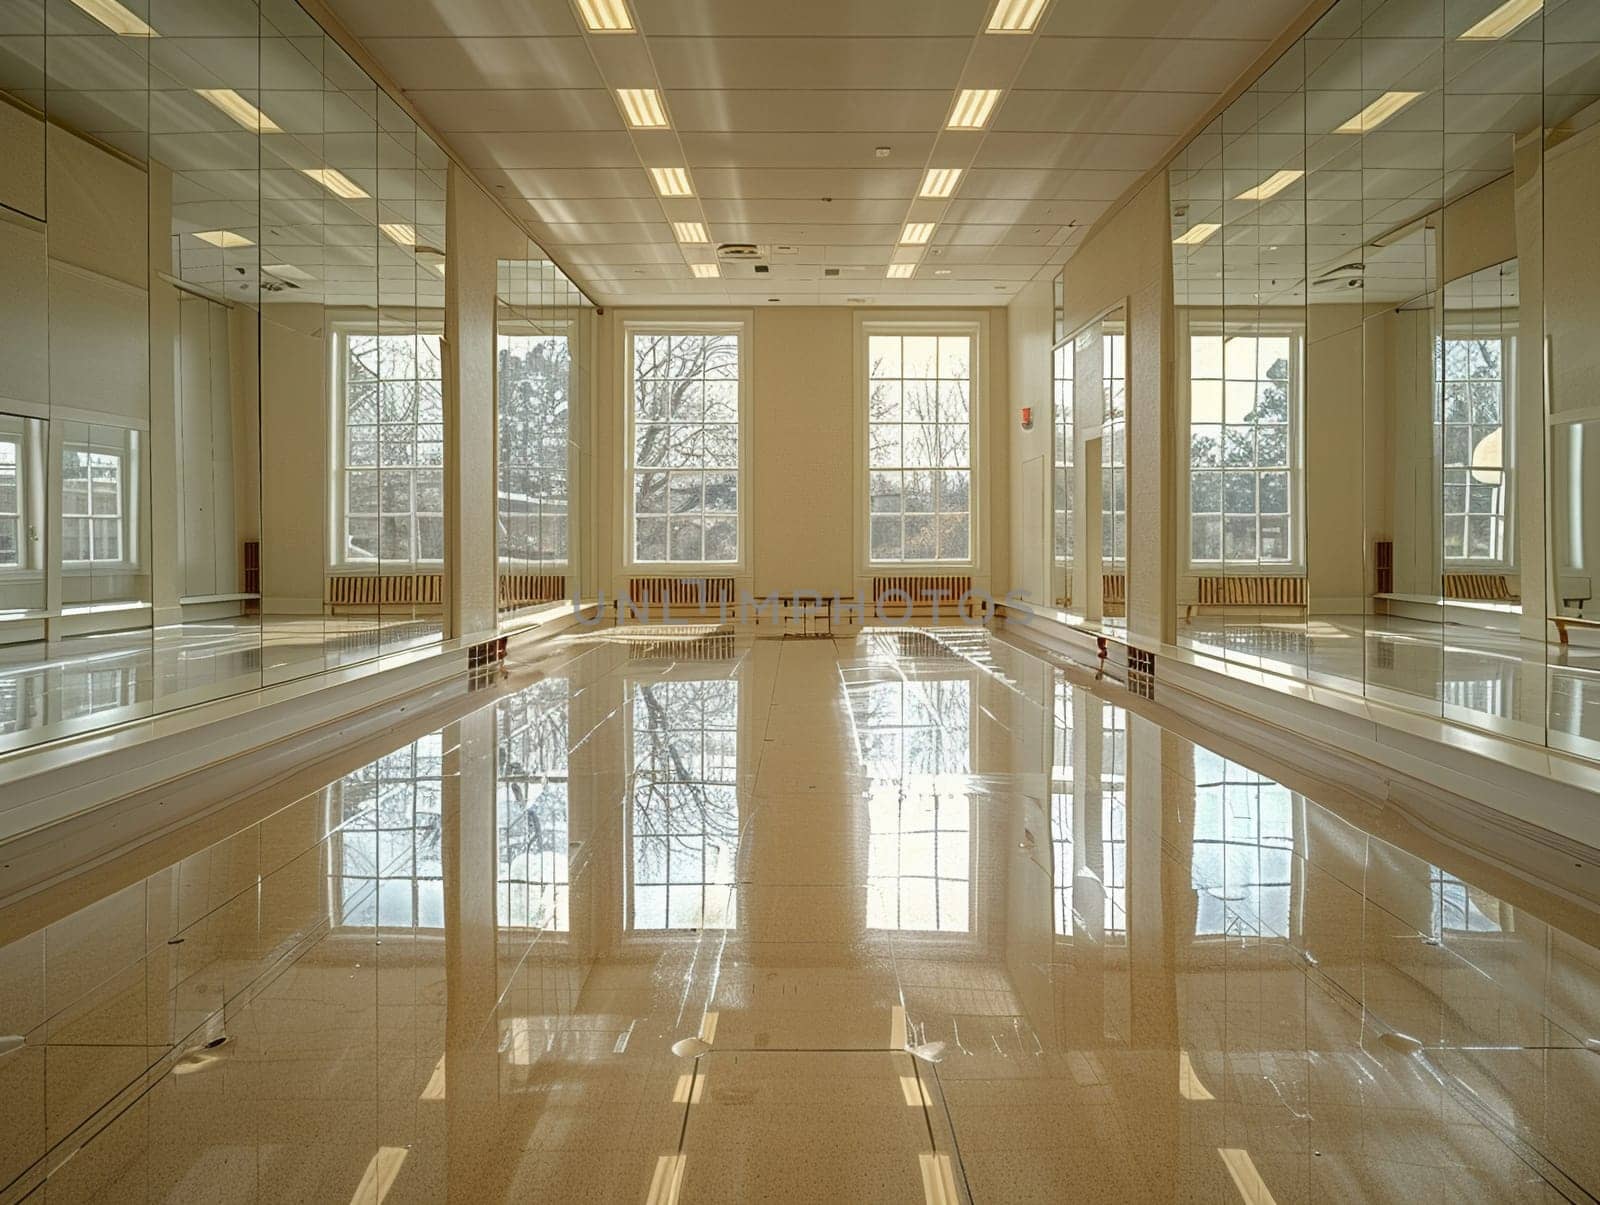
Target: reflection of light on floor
point(380, 1175)
point(1245, 1176)
point(667, 1180)
point(897, 1028)
point(915, 1091)
point(689, 1088)
point(938, 1179)
point(434, 1090)
point(1189, 1085)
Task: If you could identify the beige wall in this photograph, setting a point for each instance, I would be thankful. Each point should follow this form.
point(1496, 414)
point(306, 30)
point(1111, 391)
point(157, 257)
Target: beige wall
point(802, 441)
point(1031, 338)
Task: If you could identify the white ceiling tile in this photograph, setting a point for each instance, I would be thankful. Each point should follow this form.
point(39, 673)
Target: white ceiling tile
point(702, 109)
point(1162, 113)
point(1117, 152)
point(420, 63)
point(1185, 19)
point(838, 18)
point(545, 150)
point(809, 63)
point(511, 109)
point(802, 150)
point(371, 19)
point(1147, 64)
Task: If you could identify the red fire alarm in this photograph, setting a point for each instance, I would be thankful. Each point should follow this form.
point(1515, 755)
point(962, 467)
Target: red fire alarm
point(1027, 418)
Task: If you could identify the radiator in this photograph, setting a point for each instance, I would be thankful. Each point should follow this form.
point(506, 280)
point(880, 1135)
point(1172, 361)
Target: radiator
point(385, 589)
point(1478, 587)
point(521, 589)
point(682, 591)
point(1114, 588)
point(920, 589)
point(1251, 591)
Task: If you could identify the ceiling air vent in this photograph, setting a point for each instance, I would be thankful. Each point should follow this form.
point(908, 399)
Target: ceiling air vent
point(738, 251)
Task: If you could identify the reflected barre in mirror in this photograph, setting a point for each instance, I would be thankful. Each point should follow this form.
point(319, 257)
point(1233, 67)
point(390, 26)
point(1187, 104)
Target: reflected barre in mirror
point(1383, 278)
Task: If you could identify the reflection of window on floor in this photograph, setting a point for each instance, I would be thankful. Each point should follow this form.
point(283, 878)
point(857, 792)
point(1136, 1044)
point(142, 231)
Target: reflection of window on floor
point(1114, 818)
point(919, 856)
point(1061, 795)
point(1243, 865)
point(532, 820)
point(913, 726)
point(386, 866)
point(683, 817)
point(98, 690)
point(1486, 694)
point(1460, 908)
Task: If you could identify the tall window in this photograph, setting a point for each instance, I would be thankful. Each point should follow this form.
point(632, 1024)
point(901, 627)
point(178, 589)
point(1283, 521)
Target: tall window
point(387, 858)
point(1243, 450)
point(683, 815)
point(391, 448)
point(535, 381)
point(1114, 472)
point(1472, 408)
point(532, 803)
point(1062, 365)
point(684, 450)
point(919, 440)
point(93, 529)
point(11, 487)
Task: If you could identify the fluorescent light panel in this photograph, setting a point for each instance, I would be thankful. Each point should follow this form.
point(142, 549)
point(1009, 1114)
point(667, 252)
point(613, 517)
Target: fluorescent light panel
point(1271, 186)
point(286, 271)
point(939, 181)
point(336, 182)
point(642, 107)
point(1378, 112)
point(605, 16)
point(689, 232)
point(1015, 16)
point(705, 271)
point(901, 271)
point(917, 232)
point(973, 106)
point(400, 232)
point(671, 181)
point(223, 238)
point(1196, 234)
point(238, 108)
point(1503, 20)
point(116, 18)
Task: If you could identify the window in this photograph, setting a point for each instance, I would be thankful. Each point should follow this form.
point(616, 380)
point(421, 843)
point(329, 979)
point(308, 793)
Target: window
point(1114, 471)
point(683, 812)
point(920, 435)
point(1472, 375)
point(532, 802)
point(685, 446)
point(1062, 364)
point(388, 867)
point(535, 380)
point(11, 513)
point(1243, 866)
point(1244, 450)
point(92, 505)
point(391, 448)
point(1459, 907)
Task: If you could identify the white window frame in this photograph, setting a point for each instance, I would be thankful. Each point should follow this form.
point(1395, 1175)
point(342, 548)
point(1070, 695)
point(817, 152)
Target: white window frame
point(525, 328)
point(27, 435)
point(975, 326)
point(127, 450)
point(692, 323)
point(1296, 333)
point(1506, 336)
point(338, 560)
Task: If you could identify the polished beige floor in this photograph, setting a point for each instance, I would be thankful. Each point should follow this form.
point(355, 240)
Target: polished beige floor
point(911, 916)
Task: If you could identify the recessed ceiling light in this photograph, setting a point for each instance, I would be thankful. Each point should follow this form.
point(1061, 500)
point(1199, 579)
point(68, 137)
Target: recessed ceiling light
point(901, 271)
point(116, 18)
point(1271, 186)
point(339, 184)
point(605, 16)
point(287, 271)
point(671, 181)
point(1378, 112)
point(238, 108)
point(1197, 234)
point(939, 181)
point(941, 271)
point(690, 232)
point(973, 106)
point(705, 271)
point(223, 238)
point(401, 233)
point(1503, 20)
point(642, 107)
point(917, 232)
point(1015, 16)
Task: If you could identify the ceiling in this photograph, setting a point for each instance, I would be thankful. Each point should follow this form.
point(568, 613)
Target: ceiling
point(777, 110)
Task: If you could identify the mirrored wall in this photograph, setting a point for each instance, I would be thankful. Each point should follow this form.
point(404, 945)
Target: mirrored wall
point(1385, 284)
point(221, 396)
point(543, 328)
